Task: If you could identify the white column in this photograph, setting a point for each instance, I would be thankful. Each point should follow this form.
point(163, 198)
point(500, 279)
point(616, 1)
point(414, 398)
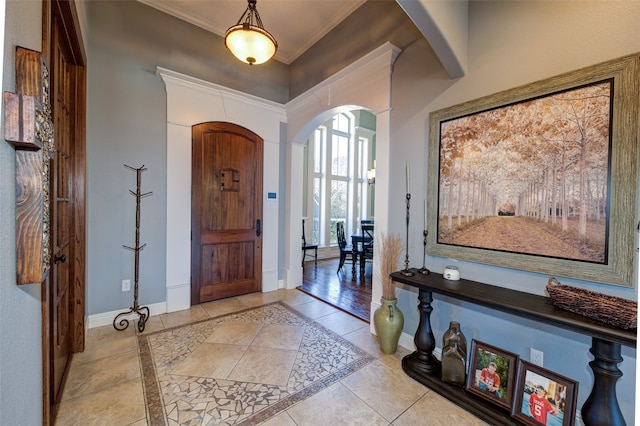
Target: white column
point(293, 253)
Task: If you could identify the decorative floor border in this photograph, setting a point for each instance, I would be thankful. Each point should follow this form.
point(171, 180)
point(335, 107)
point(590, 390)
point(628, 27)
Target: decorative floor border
point(155, 404)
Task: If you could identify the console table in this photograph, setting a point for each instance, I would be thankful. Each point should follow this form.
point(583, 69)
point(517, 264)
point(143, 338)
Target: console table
point(601, 407)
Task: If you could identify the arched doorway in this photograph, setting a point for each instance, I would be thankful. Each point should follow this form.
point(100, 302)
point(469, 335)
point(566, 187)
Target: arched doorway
point(338, 156)
point(367, 82)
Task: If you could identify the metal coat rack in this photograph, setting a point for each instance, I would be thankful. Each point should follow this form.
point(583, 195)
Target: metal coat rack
point(141, 311)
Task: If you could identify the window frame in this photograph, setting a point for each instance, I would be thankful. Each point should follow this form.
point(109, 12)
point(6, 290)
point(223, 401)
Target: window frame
point(320, 177)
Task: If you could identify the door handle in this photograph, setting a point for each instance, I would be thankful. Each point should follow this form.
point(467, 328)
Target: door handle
point(57, 259)
point(258, 228)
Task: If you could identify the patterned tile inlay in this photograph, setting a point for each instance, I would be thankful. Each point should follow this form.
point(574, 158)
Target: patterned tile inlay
point(323, 357)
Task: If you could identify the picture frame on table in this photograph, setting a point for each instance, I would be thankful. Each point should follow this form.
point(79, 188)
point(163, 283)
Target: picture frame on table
point(506, 167)
point(543, 397)
point(492, 373)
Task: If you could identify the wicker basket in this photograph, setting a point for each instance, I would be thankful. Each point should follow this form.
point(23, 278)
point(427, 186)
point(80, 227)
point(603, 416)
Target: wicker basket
point(612, 310)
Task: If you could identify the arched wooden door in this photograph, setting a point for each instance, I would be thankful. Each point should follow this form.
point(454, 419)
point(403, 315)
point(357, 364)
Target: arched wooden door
point(226, 211)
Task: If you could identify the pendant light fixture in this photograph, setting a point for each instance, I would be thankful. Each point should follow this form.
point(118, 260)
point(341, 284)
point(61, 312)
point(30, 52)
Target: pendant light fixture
point(248, 40)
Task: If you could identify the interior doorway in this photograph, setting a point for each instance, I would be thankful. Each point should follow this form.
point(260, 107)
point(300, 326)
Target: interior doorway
point(339, 192)
point(340, 157)
point(348, 292)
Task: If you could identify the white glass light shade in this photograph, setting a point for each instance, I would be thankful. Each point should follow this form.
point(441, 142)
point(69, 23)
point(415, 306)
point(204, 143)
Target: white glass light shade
point(250, 44)
point(371, 176)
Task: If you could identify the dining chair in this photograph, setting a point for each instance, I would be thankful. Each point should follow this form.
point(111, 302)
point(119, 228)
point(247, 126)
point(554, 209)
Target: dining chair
point(346, 250)
point(366, 253)
point(306, 247)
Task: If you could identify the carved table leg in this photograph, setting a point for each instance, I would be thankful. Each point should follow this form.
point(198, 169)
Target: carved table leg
point(601, 408)
point(422, 362)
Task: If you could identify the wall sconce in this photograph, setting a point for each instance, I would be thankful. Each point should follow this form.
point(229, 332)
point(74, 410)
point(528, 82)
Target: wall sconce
point(371, 177)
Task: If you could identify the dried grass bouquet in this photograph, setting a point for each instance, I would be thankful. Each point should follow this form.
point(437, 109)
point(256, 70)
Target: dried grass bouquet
point(390, 248)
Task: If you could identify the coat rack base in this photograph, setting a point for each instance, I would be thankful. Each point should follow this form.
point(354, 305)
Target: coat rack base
point(123, 322)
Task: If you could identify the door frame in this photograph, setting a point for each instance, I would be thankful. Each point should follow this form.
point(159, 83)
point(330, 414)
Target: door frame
point(66, 14)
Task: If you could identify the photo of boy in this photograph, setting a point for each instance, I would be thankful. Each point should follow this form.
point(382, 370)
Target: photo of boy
point(543, 400)
point(489, 381)
point(492, 373)
point(539, 405)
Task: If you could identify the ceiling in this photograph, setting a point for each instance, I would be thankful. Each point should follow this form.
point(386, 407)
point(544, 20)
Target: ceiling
point(296, 24)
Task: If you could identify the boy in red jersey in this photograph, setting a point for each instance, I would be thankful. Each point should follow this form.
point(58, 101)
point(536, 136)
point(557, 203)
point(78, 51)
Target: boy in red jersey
point(539, 405)
point(489, 379)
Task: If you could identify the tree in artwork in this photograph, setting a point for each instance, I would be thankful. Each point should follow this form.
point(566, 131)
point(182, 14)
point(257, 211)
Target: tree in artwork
point(531, 177)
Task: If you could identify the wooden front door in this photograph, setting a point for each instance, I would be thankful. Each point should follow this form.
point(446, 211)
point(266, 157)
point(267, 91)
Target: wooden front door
point(61, 212)
point(64, 291)
point(226, 212)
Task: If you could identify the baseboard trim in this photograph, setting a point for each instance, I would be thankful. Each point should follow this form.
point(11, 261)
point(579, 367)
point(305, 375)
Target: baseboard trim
point(178, 297)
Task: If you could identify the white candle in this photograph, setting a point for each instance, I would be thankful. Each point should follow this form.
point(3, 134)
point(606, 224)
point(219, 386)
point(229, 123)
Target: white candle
point(406, 170)
point(425, 214)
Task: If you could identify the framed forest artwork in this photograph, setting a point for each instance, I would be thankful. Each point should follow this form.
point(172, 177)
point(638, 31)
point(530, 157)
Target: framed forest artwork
point(542, 177)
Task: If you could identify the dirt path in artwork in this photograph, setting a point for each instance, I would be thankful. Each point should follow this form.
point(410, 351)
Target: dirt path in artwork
point(515, 234)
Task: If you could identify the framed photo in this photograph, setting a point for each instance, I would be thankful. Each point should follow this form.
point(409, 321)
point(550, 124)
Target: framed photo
point(542, 177)
point(492, 373)
point(544, 397)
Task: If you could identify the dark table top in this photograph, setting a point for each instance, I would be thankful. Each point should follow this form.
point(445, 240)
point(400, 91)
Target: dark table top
point(531, 306)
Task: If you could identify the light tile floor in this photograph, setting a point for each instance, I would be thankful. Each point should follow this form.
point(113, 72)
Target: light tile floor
point(104, 386)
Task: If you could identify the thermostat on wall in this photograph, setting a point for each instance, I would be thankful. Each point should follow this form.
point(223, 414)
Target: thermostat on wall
point(451, 273)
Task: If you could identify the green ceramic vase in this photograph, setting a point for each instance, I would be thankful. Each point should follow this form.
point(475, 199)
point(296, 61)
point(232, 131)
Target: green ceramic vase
point(388, 322)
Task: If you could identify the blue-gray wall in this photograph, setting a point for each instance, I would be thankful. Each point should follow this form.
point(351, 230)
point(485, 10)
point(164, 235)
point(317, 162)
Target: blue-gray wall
point(510, 43)
point(127, 124)
point(20, 308)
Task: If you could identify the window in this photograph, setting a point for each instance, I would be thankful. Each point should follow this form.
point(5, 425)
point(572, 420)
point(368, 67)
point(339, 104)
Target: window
point(336, 188)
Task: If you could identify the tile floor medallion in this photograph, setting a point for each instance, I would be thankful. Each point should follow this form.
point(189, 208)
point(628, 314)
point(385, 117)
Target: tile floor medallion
point(241, 368)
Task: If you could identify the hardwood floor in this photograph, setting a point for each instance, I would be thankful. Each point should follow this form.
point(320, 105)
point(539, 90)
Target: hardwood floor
point(347, 292)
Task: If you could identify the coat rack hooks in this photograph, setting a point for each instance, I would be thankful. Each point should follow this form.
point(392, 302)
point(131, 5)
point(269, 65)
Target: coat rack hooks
point(141, 311)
